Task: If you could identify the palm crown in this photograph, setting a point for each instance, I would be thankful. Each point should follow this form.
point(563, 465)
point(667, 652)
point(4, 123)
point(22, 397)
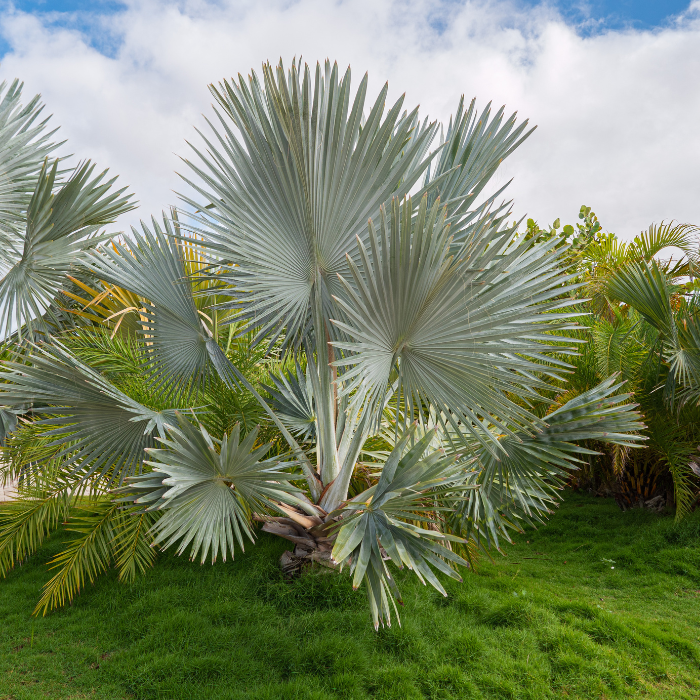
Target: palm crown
point(416, 333)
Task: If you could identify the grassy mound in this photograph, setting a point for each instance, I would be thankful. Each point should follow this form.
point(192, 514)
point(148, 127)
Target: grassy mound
point(598, 604)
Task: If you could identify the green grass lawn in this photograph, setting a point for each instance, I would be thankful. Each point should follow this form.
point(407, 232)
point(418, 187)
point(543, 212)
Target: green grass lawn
point(552, 619)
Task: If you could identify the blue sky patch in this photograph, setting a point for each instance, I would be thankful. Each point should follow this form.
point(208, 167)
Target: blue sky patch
point(611, 14)
point(84, 16)
point(92, 6)
point(599, 15)
point(589, 16)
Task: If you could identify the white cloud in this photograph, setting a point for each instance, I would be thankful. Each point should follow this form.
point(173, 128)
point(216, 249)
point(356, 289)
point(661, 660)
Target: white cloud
point(617, 112)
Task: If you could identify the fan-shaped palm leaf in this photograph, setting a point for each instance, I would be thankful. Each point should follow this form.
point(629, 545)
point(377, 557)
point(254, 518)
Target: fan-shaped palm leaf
point(685, 358)
point(379, 524)
point(209, 489)
point(24, 146)
point(300, 178)
point(522, 483)
point(606, 256)
point(60, 228)
point(462, 337)
point(647, 288)
point(102, 431)
point(8, 422)
point(292, 400)
point(182, 352)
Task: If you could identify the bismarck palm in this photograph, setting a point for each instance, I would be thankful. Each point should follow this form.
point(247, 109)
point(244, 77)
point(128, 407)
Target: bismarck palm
point(413, 335)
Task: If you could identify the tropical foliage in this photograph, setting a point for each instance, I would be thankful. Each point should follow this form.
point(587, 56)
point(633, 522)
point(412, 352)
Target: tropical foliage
point(643, 324)
point(339, 276)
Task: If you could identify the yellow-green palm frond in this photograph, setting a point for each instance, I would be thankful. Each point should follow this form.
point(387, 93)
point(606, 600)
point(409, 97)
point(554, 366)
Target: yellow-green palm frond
point(111, 306)
point(41, 504)
point(132, 542)
point(659, 237)
point(87, 556)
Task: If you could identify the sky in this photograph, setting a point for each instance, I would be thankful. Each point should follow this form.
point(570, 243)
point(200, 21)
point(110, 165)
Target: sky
point(613, 85)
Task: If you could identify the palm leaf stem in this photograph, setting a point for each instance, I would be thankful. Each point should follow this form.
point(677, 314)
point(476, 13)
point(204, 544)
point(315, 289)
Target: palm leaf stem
point(327, 455)
point(310, 473)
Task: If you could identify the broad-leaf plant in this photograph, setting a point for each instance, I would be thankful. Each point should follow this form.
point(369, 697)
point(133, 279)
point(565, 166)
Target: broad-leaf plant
point(339, 274)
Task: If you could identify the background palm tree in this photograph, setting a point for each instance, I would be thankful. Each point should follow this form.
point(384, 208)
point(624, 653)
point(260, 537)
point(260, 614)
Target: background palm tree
point(412, 357)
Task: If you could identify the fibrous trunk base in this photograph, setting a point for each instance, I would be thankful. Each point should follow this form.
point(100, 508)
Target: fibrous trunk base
point(294, 563)
point(311, 545)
